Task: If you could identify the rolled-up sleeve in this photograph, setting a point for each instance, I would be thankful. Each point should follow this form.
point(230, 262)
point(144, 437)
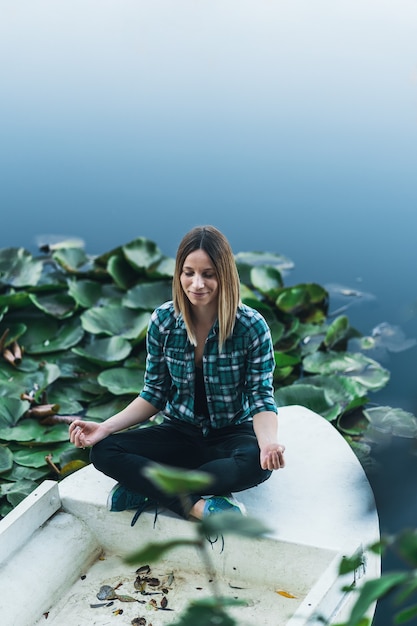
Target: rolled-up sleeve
point(157, 380)
point(260, 368)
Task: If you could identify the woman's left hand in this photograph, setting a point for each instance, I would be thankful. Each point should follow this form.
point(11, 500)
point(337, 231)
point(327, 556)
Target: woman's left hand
point(272, 456)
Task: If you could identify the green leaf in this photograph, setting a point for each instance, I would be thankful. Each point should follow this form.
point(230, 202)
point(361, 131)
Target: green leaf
point(70, 259)
point(148, 296)
point(372, 591)
point(251, 259)
point(121, 380)
point(350, 564)
point(142, 253)
point(266, 279)
point(35, 457)
point(59, 305)
point(6, 460)
point(17, 492)
point(283, 359)
point(392, 421)
point(121, 271)
point(154, 551)
point(30, 430)
point(406, 615)
point(86, 293)
point(115, 320)
point(337, 331)
point(230, 523)
point(406, 544)
point(364, 370)
point(177, 481)
point(204, 614)
point(18, 268)
point(11, 410)
point(105, 351)
point(45, 336)
point(309, 396)
point(103, 409)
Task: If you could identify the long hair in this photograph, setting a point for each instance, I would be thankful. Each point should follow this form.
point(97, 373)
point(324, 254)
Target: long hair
point(215, 244)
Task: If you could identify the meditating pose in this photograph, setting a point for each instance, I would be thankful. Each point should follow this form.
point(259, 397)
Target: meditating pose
point(209, 369)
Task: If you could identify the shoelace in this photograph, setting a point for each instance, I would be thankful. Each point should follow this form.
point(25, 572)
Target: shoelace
point(140, 510)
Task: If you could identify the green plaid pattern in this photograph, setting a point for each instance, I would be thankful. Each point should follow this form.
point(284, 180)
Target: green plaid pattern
point(238, 381)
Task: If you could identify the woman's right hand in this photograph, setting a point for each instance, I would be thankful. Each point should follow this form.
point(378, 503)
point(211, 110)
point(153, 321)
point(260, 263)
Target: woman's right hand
point(85, 434)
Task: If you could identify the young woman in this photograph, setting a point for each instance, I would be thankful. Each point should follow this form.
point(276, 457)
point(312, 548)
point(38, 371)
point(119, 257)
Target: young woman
point(209, 368)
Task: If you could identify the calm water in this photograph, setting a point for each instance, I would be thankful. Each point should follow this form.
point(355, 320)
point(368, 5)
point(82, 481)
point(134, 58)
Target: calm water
point(289, 124)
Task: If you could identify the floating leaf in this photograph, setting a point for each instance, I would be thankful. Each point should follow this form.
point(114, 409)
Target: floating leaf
point(17, 492)
point(35, 456)
point(86, 293)
point(121, 271)
point(115, 320)
point(45, 336)
point(70, 259)
point(121, 380)
point(364, 370)
point(149, 295)
point(142, 253)
point(59, 305)
point(30, 430)
point(309, 396)
point(6, 460)
point(337, 331)
point(105, 351)
point(18, 268)
point(266, 279)
point(11, 410)
point(278, 261)
point(392, 421)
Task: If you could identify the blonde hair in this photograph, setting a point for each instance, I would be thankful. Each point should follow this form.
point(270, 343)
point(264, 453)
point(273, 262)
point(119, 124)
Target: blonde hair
point(215, 244)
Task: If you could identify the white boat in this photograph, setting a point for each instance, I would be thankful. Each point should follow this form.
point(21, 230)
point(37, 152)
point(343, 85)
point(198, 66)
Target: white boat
point(61, 545)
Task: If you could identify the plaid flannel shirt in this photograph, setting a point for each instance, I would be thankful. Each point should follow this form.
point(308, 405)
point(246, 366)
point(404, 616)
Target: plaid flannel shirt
point(238, 381)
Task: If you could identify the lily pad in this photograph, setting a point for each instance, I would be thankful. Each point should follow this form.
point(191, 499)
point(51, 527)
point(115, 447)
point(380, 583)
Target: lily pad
point(148, 296)
point(29, 430)
point(121, 271)
point(115, 321)
point(121, 380)
point(309, 396)
point(18, 268)
point(35, 457)
point(106, 351)
point(392, 421)
point(364, 370)
point(59, 305)
point(45, 336)
point(11, 410)
point(278, 261)
point(17, 492)
point(337, 331)
point(142, 253)
point(266, 279)
point(6, 460)
point(70, 259)
point(86, 293)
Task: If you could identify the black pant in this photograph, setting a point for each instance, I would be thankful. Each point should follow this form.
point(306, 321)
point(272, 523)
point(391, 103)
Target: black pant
point(230, 455)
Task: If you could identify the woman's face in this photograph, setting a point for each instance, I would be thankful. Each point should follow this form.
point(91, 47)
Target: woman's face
point(199, 281)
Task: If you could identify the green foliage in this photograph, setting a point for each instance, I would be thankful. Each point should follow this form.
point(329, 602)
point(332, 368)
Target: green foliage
point(72, 337)
point(401, 585)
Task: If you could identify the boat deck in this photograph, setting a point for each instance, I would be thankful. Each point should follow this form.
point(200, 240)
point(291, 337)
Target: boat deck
point(61, 545)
